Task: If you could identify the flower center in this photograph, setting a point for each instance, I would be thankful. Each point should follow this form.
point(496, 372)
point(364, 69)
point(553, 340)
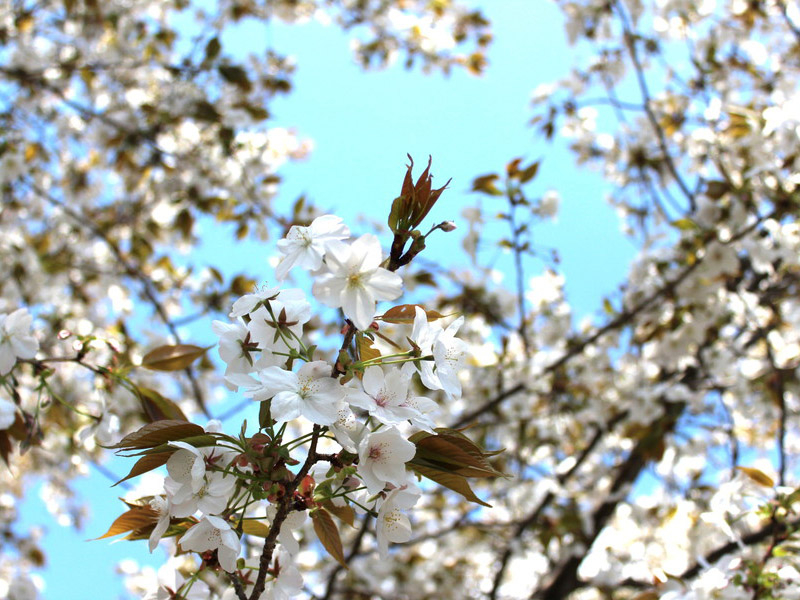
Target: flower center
point(376, 452)
point(354, 280)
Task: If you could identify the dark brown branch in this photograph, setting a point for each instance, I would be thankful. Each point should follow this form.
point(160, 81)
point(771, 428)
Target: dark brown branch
point(565, 580)
point(534, 516)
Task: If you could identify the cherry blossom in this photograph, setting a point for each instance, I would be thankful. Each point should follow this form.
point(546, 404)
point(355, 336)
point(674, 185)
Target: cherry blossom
point(214, 533)
point(384, 396)
point(310, 393)
point(16, 340)
point(354, 279)
point(382, 458)
point(305, 247)
point(393, 524)
point(8, 413)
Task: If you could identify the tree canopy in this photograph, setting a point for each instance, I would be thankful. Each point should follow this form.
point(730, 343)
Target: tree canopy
point(423, 431)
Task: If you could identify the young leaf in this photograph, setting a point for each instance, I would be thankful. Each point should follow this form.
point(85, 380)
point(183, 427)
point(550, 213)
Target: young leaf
point(345, 513)
point(158, 408)
point(366, 351)
point(758, 476)
point(328, 534)
point(172, 358)
point(160, 432)
point(145, 464)
point(5, 447)
point(405, 313)
point(451, 481)
point(256, 528)
point(452, 452)
point(134, 519)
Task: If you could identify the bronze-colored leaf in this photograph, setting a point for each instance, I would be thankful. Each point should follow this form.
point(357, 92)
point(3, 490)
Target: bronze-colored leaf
point(452, 452)
point(146, 463)
point(158, 408)
point(157, 433)
point(405, 313)
point(172, 358)
point(758, 476)
point(131, 520)
point(529, 172)
point(451, 481)
point(366, 350)
point(486, 184)
point(256, 528)
point(5, 447)
point(328, 534)
point(345, 513)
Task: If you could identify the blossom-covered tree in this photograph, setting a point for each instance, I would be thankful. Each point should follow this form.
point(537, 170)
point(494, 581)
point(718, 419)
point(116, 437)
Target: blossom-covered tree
point(648, 453)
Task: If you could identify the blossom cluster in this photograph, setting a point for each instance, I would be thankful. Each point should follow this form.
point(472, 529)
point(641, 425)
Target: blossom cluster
point(367, 406)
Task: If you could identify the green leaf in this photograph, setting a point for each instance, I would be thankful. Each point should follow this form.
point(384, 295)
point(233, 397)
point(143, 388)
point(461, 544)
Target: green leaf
point(396, 215)
point(366, 351)
point(205, 111)
point(5, 447)
point(328, 534)
point(157, 433)
point(451, 481)
point(486, 185)
point(172, 358)
point(264, 414)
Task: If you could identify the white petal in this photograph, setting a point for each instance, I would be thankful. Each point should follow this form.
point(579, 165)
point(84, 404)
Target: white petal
point(385, 285)
point(359, 306)
point(285, 406)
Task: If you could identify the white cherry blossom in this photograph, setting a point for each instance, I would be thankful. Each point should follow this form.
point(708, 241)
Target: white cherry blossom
point(382, 458)
point(8, 413)
point(305, 247)
point(449, 354)
point(310, 393)
point(231, 347)
point(161, 505)
point(384, 396)
point(393, 524)
point(249, 302)
point(16, 340)
point(214, 533)
point(354, 279)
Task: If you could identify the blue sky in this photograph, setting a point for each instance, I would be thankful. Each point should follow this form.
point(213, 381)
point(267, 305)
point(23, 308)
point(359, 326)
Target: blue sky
point(362, 126)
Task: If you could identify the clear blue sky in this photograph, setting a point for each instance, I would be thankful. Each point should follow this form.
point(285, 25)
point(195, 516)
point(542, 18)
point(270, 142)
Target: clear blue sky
point(363, 125)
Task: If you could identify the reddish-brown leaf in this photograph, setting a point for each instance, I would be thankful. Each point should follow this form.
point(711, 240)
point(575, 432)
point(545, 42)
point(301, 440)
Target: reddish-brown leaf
point(328, 534)
point(158, 408)
point(146, 463)
point(157, 433)
point(345, 513)
point(405, 313)
point(172, 358)
point(131, 520)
